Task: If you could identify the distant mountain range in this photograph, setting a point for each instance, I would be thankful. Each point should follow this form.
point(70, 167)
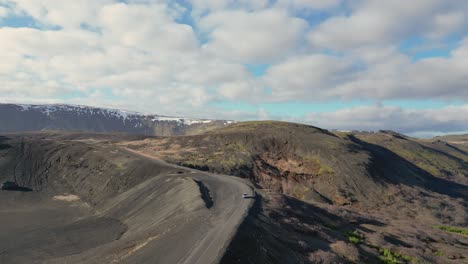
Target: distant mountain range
point(27, 117)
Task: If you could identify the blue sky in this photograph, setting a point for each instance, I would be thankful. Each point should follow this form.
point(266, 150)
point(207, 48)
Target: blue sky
point(331, 63)
point(419, 48)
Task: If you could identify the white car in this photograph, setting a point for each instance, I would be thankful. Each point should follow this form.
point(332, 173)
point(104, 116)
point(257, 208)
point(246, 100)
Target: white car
point(245, 195)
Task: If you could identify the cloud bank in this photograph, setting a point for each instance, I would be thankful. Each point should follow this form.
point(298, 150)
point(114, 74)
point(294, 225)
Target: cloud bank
point(189, 57)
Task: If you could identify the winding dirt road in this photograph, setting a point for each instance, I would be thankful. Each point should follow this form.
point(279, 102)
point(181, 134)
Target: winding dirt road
point(227, 213)
point(143, 210)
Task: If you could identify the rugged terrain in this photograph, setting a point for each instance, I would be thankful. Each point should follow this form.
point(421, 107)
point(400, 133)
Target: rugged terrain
point(322, 197)
point(335, 197)
point(21, 117)
point(87, 201)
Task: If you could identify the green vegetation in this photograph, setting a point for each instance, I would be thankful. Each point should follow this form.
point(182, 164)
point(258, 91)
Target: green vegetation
point(235, 146)
point(452, 229)
point(391, 257)
point(120, 165)
point(227, 161)
point(386, 255)
point(300, 192)
point(409, 259)
point(324, 168)
point(439, 253)
point(354, 237)
point(254, 125)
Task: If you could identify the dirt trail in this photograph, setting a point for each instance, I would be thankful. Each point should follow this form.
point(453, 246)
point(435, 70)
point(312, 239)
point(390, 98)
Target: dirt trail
point(229, 210)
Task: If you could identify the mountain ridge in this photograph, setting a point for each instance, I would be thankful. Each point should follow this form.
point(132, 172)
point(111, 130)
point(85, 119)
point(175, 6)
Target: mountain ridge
point(36, 117)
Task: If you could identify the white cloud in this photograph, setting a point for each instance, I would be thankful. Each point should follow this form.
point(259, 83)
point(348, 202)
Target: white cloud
point(139, 55)
point(252, 37)
point(373, 74)
point(305, 4)
point(146, 27)
point(377, 117)
point(446, 23)
point(244, 90)
point(136, 54)
point(310, 78)
point(4, 12)
point(383, 22)
point(202, 7)
point(64, 13)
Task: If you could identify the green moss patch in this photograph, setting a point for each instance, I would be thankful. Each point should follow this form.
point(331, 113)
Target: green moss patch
point(451, 229)
point(387, 256)
point(354, 237)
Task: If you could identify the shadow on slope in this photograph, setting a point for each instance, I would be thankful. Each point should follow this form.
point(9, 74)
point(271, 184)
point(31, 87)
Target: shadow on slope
point(396, 170)
point(286, 230)
point(436, 158)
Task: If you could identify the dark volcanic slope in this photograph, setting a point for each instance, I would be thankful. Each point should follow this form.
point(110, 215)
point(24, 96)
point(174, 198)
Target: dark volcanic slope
point(92, 202)
point(438, 158)
point(16, 118)
point(334, 198)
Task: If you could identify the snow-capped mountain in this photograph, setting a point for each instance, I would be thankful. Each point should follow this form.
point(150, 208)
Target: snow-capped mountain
point(26, 117)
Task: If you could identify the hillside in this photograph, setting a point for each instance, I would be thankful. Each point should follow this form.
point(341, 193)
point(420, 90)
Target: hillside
point(459, 141)
point(299, 160)
point(333, 198)
point(306, 162)
point(21, 117)
point(439, 158)
point(321, 197)
point(86, 201)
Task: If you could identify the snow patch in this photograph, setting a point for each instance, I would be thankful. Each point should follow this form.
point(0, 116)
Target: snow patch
point(181, 120)
point(116, 113)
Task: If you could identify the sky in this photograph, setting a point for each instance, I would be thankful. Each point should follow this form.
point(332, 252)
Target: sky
point(336, 64)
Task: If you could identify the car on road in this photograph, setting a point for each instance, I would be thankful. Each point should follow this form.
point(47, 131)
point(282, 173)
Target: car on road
point(245, 195)
point(12, 186)
point(8, 185)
